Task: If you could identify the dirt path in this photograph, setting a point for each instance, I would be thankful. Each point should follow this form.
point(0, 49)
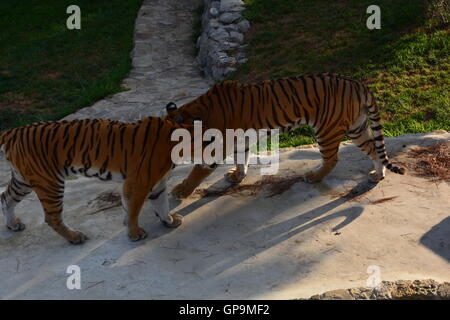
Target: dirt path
point(164, 66)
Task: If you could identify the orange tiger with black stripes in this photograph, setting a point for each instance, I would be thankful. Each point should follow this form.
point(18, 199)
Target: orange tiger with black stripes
point(42, 155)
point(335, 106)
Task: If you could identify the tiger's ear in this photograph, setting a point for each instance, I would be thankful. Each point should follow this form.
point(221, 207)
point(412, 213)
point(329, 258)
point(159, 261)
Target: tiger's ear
point(171, 106)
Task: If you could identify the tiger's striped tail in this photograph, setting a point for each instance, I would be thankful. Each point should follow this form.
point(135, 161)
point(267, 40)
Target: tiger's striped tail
point(380, 146)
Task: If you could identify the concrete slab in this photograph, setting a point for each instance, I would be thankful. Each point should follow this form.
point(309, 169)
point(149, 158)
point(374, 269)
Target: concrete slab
point(307, 240)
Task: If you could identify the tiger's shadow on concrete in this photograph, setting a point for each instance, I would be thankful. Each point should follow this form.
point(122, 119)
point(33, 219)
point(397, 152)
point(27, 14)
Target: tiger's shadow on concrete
point(438, 239)
point(265, 236)
point(268, 236)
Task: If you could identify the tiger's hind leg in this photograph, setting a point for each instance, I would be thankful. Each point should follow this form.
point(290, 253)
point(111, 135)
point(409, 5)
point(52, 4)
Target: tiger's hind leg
point(362, 137)
point(17, 190)
point(328, 147)
point(133, 199)
point(51, 198)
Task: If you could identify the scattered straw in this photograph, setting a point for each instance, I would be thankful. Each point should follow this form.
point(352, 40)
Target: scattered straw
point(382, 200)
point(276, 186)
point(112, 198)
point(104, 209)
point(432, 162)
point(108, 197)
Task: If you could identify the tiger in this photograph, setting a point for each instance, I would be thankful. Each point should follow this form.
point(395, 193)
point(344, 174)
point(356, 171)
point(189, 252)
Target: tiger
point(43, 155)
point(335, 106)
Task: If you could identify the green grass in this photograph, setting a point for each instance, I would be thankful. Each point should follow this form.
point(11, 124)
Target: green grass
point(406, 63)
point(48, 71)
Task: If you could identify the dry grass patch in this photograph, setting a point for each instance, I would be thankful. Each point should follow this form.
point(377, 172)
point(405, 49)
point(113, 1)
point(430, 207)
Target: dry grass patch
point(431, 162)
point(275, 186)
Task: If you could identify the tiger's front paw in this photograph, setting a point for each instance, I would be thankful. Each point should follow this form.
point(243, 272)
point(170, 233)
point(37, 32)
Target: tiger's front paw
point(17, 226)
point(234, 176)
point(177, 219)
point(375, 177)
point(180, 191)
point(312, 177)
point(77, 237)
point(137, 234)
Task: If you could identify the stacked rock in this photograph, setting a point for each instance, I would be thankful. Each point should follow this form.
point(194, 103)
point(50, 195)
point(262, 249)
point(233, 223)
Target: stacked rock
point(221, 44)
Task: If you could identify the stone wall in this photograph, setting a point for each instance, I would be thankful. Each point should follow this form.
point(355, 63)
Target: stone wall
point(221, 44)
point(396, 290)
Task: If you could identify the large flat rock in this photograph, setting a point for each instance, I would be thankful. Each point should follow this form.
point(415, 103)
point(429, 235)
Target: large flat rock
point(306, 240)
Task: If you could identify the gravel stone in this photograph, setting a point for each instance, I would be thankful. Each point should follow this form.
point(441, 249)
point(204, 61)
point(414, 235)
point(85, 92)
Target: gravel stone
point(398, 290)
point(221, 47)
point(229, 17)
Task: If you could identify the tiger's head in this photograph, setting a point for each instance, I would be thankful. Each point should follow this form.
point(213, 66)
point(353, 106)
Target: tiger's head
point(187, 113)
